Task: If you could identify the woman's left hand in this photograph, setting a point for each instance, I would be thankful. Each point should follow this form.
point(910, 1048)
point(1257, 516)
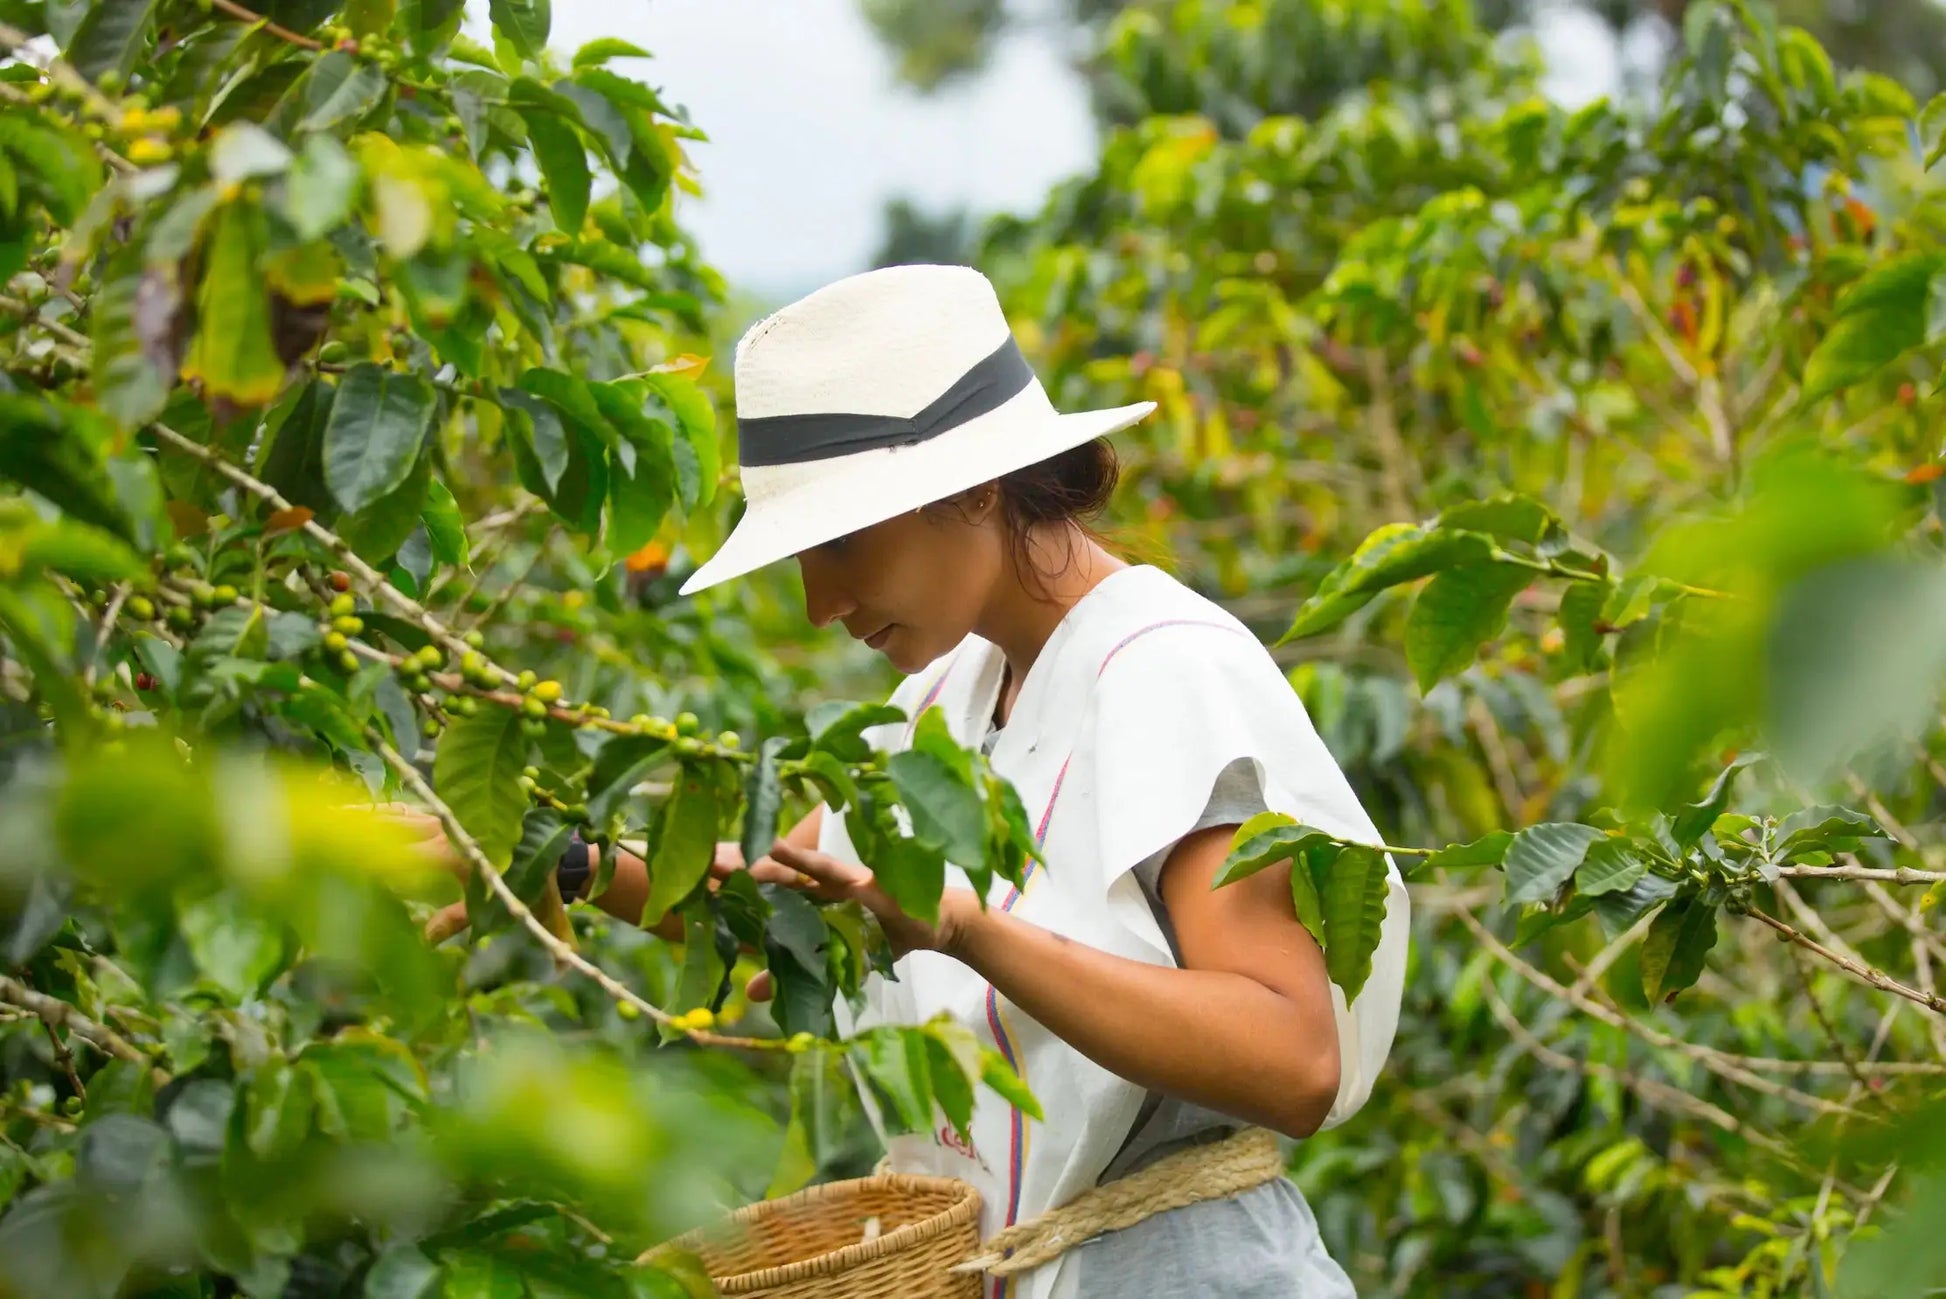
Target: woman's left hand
point(827, 877)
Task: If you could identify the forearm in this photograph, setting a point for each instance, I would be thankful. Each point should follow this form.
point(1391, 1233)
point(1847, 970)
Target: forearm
point(1214, 1038)
point(627, 894)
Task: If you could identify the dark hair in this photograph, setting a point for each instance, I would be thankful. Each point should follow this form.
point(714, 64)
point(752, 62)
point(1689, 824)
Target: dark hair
point(1072, 487)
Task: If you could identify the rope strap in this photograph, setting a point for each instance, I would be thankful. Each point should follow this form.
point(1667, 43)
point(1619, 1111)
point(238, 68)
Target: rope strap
point(1224, 1168)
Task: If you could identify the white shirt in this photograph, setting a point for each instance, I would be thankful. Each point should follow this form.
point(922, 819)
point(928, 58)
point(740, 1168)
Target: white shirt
point(1143, 694)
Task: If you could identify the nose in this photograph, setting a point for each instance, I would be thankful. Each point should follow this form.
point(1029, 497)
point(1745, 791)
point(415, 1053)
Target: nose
point(825, 599)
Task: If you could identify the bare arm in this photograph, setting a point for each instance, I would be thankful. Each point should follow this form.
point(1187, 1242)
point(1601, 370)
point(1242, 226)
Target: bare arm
point(1245, 1027)
point(628, 888)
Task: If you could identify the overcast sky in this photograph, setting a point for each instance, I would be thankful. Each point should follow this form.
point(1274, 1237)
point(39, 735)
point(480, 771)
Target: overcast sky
point(809, 135)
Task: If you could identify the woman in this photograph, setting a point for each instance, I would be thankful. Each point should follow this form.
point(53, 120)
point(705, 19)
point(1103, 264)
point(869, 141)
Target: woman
point(1141, 725)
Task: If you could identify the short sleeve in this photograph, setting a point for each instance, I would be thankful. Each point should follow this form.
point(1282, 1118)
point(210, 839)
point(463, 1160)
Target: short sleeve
point(1171, 715)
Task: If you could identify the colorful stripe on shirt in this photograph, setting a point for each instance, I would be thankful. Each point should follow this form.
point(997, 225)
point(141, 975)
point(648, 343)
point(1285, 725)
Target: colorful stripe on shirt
point(1003, 1287)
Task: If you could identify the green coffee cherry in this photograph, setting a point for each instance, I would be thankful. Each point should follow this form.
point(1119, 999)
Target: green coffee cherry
point(141, 607)
point(348, 661)
point(548, 692)
point(525, 681)
point(533, 727)
point(349, 624)
point(729, 739)
point(532, 707)
point(475, 638)
point(335, 642)
point(181, 617)
point(224, 594)
point(343, 604)
point(687, 723)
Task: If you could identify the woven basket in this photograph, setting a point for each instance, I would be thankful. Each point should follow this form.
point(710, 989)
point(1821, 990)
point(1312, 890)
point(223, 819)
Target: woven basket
point(822, 1243)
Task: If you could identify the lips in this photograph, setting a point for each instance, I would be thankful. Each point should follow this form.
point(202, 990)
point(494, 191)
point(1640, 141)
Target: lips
point(878, 638)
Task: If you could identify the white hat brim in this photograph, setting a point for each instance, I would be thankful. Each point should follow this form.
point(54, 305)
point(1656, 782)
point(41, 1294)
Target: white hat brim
point(847, 493)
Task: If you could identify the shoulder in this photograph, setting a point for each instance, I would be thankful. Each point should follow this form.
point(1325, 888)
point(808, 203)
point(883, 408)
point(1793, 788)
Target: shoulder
point(1165, 639)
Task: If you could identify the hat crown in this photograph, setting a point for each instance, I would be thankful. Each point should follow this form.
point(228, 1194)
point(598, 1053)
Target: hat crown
point(884, 342)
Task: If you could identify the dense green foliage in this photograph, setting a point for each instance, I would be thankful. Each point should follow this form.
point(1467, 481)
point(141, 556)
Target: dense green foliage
point(1626, 420)
point(357, 426)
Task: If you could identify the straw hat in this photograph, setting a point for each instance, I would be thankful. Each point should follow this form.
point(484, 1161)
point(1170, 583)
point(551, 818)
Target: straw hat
point(878, 394)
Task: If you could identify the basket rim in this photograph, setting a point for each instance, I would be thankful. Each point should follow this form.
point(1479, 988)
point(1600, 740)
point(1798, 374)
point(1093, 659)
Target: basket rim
point(964, 1209)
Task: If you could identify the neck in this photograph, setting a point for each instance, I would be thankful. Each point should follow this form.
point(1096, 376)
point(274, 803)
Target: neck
point(1021, 616)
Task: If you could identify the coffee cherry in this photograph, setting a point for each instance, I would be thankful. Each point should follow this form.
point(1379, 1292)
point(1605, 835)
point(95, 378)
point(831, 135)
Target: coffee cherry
point(339, 581)
point(335, 642)
point(343, 604)
point(145, 681)
point(349, 624)
point(729, 739)
point(474, 638)
point(526, 783)
point(548, 692)
point(140, 607)
point(430, 728)
point(525, 681)
point(465, 705)
point(531, 706)
point(688, 723)
point(224, 594)
point(348, 661)
point(180, 617)
point(431, 656)
point(533, 727)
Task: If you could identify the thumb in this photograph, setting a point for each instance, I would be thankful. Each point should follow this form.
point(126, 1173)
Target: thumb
point(761, 987)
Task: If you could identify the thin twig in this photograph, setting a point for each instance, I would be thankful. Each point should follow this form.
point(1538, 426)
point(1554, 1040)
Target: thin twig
point(469, 851)
point(64, 1058)
point(1899, 875)
point(1863, 973)
point(1659, 1094)
point(59, 1014)
point(33, 316)
point(236, 10)
point(1714, 1061)
point(108, 617)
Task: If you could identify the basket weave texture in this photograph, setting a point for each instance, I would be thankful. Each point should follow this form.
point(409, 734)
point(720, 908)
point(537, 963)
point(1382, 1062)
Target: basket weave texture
point(814, 1243)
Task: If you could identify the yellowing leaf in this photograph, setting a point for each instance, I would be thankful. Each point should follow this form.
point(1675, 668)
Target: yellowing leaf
point(232, 355)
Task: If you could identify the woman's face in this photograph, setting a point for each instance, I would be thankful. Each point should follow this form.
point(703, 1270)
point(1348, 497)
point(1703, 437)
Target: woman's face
point(911, 587)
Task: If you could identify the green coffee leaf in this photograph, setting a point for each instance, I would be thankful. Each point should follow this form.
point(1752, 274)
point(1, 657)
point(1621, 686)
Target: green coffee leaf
point(1677, 946)
point(111, 37)
point(604, 48)
point(1457, 612)
point(896, 1062)
point(524, 23)
point(685, 842)
point(763, 797)
point(1487, 850)
point(563, 160)
point(1611, 865)
point(378, 423)
point(1542, 857)
point(946, 810)
point(476, 772)
point(1824, 828)
point(1352, 887)
point(837, 727)
point(1396, 553)
point(444, 527)
point(322, 187)
point(134, 338)
point(1882, 316)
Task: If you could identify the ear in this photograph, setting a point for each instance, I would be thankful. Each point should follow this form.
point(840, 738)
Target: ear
point(980, 502)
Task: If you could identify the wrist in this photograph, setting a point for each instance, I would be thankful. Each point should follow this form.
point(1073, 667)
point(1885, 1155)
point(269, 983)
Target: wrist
point(964, 925)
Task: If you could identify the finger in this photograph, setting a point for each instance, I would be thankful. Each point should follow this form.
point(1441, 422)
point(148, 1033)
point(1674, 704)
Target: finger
point(728, 860)
point(761, 987)
point(446, 922)
point(773, 872)
point(820, 866)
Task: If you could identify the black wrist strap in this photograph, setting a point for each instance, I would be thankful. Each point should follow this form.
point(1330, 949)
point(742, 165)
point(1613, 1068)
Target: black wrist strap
point(574, 870)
